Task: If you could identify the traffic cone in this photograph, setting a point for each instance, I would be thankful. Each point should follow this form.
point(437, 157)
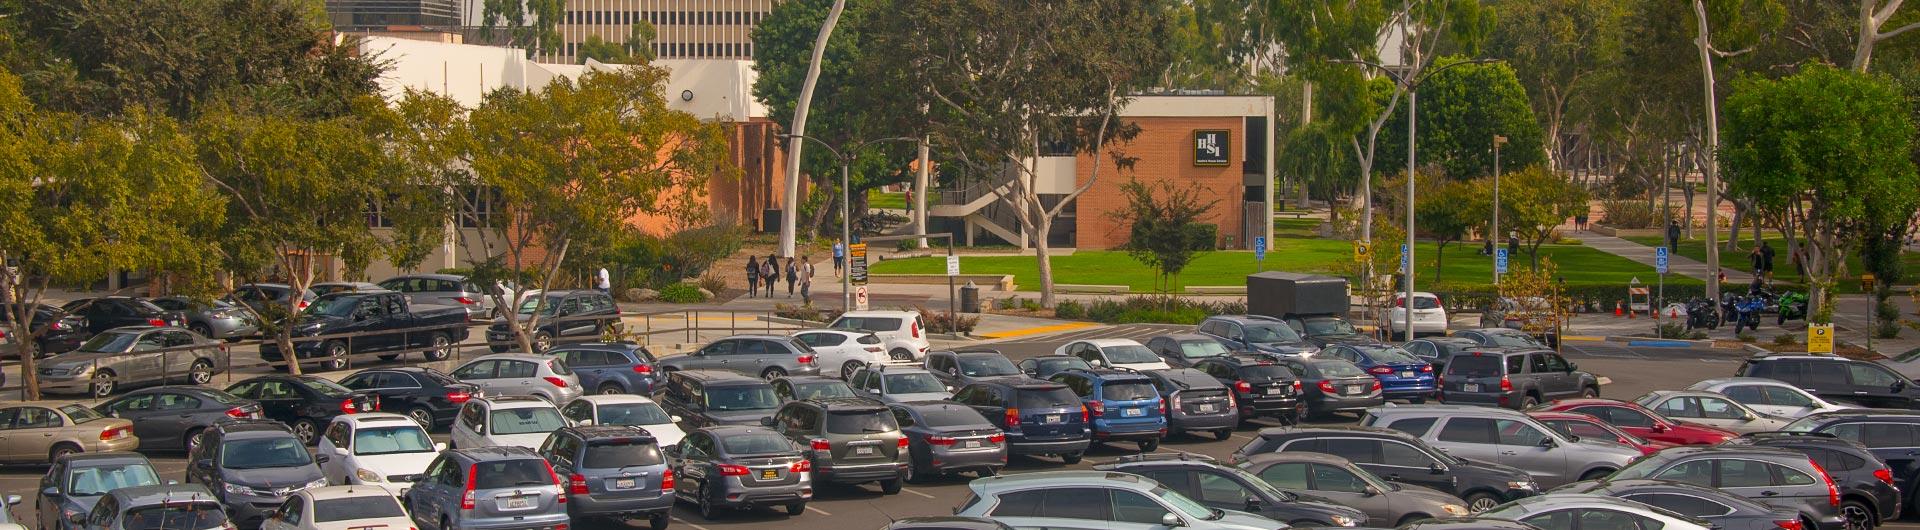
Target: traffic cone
point(1630, 313)
point(1616, 308)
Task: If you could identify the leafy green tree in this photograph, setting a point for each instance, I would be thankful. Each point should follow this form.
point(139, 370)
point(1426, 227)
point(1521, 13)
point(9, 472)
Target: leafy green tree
point(528, 24)
point(1164, 228)
point(1534, 203)
point(1830, 147)
point(637, 49)
point(1461, 109)
point(1449, 210)
point(1557, 48)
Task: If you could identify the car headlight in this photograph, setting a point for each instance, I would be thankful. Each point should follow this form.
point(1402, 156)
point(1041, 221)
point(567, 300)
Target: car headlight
point(366, 475)
point(1454, 510)
point(1342, 520)
point(317, 483)
point(237, 489)
point(1527, 485)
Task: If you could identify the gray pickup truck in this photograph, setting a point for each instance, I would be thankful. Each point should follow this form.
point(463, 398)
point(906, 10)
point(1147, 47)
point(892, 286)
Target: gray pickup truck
point(342, 324)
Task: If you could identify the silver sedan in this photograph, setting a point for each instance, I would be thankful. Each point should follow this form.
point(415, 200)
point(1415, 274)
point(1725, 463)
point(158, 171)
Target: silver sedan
point(134, 356)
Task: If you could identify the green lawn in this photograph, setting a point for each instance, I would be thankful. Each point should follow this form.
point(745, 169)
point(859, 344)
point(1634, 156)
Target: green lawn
point(895, 201)
point(1738, 266)
point(1464, 268)
point(1299, 228)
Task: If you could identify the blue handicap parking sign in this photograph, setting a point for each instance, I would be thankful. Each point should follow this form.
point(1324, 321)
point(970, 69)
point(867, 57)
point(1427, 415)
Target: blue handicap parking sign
point(1260, 248)
point(1660, 259)
point(1500, 261)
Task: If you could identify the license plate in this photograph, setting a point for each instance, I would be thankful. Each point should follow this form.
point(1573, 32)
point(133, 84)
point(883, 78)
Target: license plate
point(1274, 391)
point(1354, 390)
point(518, 503)
point(1406, 374)
point(625, 483)
point(970, 444)
point(769, 474)
point(1205, 408)
point(1051, 418)
point(1133, 412)
point(1470, 387)
point(863, 450)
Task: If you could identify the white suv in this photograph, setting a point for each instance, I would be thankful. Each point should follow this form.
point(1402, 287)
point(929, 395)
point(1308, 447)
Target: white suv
point(517, 421)
point(901, 332)
point(847, 351)
point(377, 448)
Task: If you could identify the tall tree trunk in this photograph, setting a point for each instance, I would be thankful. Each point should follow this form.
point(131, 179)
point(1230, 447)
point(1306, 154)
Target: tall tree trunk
point(799, 127)
point(1710, 165)
point(1733, 228)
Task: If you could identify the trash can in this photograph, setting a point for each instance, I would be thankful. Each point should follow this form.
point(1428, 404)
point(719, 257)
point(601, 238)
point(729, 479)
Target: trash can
point(969, 298)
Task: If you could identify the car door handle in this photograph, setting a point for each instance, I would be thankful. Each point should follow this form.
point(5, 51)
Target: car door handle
point(1508, 453)
point(1769, 493)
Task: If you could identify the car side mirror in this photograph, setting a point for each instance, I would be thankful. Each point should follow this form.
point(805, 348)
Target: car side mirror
point(766, 421)
point(584, 423)
point(1253, 504)
point(1572, 366)
point(1548, 443)
point(1436, 468)
point(78, 519)
point(676, 419)
point(874, 391)
point(1899, 386)
point(13, 500)
point(1658, 428)
point(1371, 491)
point(1171, 520)
point(50, 492)
point(949, 388)
point(439, 446)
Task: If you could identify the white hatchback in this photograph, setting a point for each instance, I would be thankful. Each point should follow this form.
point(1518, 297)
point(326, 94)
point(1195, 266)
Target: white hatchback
point(624, 409)
point(1114, 353)
point(846, 351)
point(1429, 316)
point(376, 448)
point(516, 421)
point(901, 332)
point(339, 508)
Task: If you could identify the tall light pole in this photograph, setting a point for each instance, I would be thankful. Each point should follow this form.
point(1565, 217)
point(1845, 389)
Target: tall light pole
point(846, 156)
point(1494, 232)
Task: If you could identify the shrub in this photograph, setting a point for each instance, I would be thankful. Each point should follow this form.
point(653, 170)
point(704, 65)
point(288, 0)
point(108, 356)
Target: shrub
point(644, 260)
point(1157, 309)
point(681, 293)
point(1007, 304)
point(1070, 309)
point(1674, 330)
point(1744, 336)
point(1784, 339)
point(1030, 305)
point(943, 322)
point(714, 283)
point(808, 313)
point(1630, 213)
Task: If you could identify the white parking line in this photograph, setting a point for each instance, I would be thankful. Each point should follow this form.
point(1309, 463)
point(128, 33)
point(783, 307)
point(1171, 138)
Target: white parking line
point(689, 523)
point(818, 511)
point(918, 493)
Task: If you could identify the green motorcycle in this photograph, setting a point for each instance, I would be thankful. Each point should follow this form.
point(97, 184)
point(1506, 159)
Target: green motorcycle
point(1793, 306)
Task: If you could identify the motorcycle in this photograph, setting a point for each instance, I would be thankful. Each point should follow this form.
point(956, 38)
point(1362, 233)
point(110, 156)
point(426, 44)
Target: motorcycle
point(1744, 311)
point(1793, 306)
point(1701, 313)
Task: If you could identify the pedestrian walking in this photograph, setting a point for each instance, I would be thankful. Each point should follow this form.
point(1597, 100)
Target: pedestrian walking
point(806, 280)
point(839, 258)
point(1766, 259)
point(1673, 236)
point(790, 277)
point(1754, 262)
point(753, 276)
point(1513, 244)
point(604, 283)
point(1580, 221)
point(771, 269)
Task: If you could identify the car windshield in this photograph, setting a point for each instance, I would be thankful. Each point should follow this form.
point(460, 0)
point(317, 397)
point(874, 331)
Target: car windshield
point(913, 383)
point(391, 440)
point(356, 508)
point(1513, 340)
point(861, 422)
point(1129, 354)
point(951, 415)
point(621, 452)
point(866, 324)
point(1257, 483)
point(284, 451)
point(759, 443)
point(1333, 368)
point(98, 480)
point(325, 387)
point(1320, 327)
point(517, 472)
point(334, 306)
point(80, 414)
point(633, 414)
point(829, 389)
point(741, 398)
point(1391, 355)
point(111, 342)
point(526, 420)
point(1185, 505)
point(987, 366)
point(173, 516)
point(1129, 391)
point(1264, 333)
point(1475, 366)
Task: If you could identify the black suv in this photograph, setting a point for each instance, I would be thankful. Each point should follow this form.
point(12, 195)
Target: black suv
point(1039, 417)
point(1231, 488)
point(565, 317)
point(1255, 333)
point(714, 397)
point(1400, 457)
point(1837, 379)
point(1867, 492)
point(1262, 387)
point(253, 466)
point(1893, 436)
point(108, 312)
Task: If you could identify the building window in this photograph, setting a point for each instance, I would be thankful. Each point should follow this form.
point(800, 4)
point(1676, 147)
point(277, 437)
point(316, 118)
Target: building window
point(376, 216)
point(477, 207)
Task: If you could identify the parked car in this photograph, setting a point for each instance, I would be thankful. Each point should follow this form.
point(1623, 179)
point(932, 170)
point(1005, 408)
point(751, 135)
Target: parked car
point(148, 507)
point(75, 482)
point(944, 437)
point(1045, 366)
point(1256, 333)
point(55, 330)
point(1097, 499)
point(564, 317)
point(371, 321)
point(216, 319)
point(847, 440)
point(1889, 434)
point(945, 522)
point(172, 418)
point(1725, 510)
point(1775, 477)
point(1429, 315)
point(1333, 385)
point(625, 411)
point(704, 398)
point(269, 300)
point(1401, 375)
point(1325, 330)
point(447, 290)
point(344, 287)
point(1260, 386)
point(846, 351)
point(1587, 427)
point(1574, 511)
point(898, 384)
point(510, 421)
point(339, 508)
point(1508, 437)
point(377, 449)
point(488, 487)
point(429, 396)
point(1114, 353)
point(766, 356)
point(1196, 402)
point(1515, 379)
point(109, 312)
point(962, 368)
point(132, 357)
point(1038, 417)
point(43, 431)
point(1182, 350)
point(612, 471)
point(1769, 396)
point(303, 402)
point(1507, 338)
point(798, 387)
point(1708, 408)
point(739, 468)
point(252, 466)
point(1868, 495)
point(521, 374)
point(1840, 379)
point(610, 367)
point(900, 331)
point(1231, 488)
point(1122, 406)
point(1438, 350)
point(1400, 457)
point(1339, 480)
point(1638, 421)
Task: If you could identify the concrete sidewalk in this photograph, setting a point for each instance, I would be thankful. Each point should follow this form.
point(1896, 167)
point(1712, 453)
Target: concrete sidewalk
point(1676, 264)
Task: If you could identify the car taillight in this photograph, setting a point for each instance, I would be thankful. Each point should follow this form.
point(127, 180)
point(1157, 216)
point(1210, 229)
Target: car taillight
point(643, 368)
point(873, 349)
point(1426, 368)
point(238, 412)
point(156, 322)
point(1789, 524)
point(666, 481)
point(1327, 386)
point(1297, 387)
point(56, 326)
point(1399, 302)
point(1884, 474)
point(556, 382)
point(1013, 417)
point(302, 306)
point(940, 440)
point(556, 481)
point(804, 359)
point(466, 301)
point(821, 444)
point(1083, 414)
point(902, 442)
point(1506, 385)
point(916, 328)
point(1380, 370)
point(1163, 407)
point(115, 433)
point(459, 397)
point(1833, 492)
point(731, 470)
point(1376, 385)
point(577, 484)
point(1096, 408)
point(1243, 387)
point(1231, 404)
point(997, 437)
point(466, 499)
point(347, 406)
point(801, 466)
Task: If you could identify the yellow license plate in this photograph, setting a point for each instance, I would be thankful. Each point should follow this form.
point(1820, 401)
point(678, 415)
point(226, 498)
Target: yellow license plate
point(769, 474)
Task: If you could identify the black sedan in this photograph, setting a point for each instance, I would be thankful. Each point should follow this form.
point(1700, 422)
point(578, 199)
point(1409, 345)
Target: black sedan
point(429, 396)
point(108, 312)
point(171, 418)
point(1260, 386)
point(55, 330)
point(304, 402)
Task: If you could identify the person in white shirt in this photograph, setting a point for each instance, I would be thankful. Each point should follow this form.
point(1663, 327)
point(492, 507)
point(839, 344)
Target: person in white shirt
point(605, 282)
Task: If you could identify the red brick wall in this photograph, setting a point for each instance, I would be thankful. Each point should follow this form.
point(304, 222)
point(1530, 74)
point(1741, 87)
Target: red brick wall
point(1164, 150)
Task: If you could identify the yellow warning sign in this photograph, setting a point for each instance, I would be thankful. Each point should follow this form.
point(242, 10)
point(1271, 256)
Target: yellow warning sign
point(1820, 338)
point(1362, 251)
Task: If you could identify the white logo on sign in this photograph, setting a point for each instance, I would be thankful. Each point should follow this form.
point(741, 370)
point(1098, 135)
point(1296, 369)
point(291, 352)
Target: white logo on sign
point(1207, 143)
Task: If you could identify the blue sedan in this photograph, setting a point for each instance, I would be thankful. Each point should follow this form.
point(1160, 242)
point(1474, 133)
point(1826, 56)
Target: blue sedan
point(1401, 375)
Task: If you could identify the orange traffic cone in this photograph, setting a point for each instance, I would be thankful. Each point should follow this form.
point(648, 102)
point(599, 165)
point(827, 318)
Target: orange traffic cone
point(1617, 306)
point(1630, 313)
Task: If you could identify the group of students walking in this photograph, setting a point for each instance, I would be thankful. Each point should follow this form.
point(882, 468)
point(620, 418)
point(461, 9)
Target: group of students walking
point(769, 273)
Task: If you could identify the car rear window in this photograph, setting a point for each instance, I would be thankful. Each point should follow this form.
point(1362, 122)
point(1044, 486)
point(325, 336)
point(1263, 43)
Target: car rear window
point(324, 387)
point(755, 444)
point(1337, 368)
point(633, 414)
point(950, 416)
point(1423, 302)
point(559, 367)
point(511, 473)
point(757, 397)
point(861, 422)
point(621, 452)
point(1043, 397)
point(1269, 371)
point(80, 414)
point(1475, 366)
point(174, 516)
point(867, 323)
point(1195, 349)
point(1129, 391)
point(868, 339)
point(356, 508)
point(1391, 355)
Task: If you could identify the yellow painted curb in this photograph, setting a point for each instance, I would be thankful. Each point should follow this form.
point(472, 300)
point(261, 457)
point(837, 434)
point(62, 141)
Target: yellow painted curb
point(1039, 330)
point(1583, 338)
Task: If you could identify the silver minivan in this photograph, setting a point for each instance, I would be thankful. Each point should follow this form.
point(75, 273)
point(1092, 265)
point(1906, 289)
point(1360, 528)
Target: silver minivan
point(1506, 437)
point(486, 488)
point(519, 374)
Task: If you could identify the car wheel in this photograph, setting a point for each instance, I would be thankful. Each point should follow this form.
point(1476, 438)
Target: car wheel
point(1481, 501)
point(336, 356)
point(442, 348)
point(707, 510)
point(1149, 446)
point(1223, 434)
point(103, 383)
point(60, 450)
point(890, 487)
point(797, 508)
point(610, 388)
point(304, 429)
point(914, 473)
point(1071, 458)
point(1856, 515)
point(542, 341)
point(847, 370)
point(900, 354)
point(192, 439)
point(201, 372)
point(1299, 414)
point(1590, 392)
point(421, 416)
point(201, 330)
point(445, 524)
point(1596, 474)
point(657, 521)
point(773, 373)
point(1528, 402)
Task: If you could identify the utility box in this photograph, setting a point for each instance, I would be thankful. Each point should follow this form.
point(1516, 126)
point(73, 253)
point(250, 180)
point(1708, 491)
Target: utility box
point(1285, 294)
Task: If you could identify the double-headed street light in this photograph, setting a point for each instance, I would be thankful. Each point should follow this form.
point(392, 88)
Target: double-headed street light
point(846, 156)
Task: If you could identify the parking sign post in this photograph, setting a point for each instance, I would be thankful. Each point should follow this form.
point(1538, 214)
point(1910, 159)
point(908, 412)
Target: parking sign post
point(1660, 266)
point(1259, 252)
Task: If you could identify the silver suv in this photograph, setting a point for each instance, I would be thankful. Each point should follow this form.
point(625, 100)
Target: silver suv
point(1506, 437)
point(1097, 499)
point(488, 487)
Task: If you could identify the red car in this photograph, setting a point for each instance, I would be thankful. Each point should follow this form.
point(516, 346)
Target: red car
point(1638, 421)
point(1591, 428)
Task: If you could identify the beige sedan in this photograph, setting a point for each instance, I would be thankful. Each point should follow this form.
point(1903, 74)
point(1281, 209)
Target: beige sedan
point(41, 431)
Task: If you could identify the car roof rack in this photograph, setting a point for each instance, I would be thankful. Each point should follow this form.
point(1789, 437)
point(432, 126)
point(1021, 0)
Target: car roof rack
point(1176, 456)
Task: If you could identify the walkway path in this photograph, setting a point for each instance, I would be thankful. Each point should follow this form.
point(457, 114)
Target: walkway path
point(1676, 264)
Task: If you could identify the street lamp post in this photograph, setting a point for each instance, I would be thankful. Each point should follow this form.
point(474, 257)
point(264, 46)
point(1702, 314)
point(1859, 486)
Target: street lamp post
point(1494, 232)
point(846, 155)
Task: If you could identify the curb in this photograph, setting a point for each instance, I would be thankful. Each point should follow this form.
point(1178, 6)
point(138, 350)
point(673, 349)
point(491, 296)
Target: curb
point(1656, 342)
